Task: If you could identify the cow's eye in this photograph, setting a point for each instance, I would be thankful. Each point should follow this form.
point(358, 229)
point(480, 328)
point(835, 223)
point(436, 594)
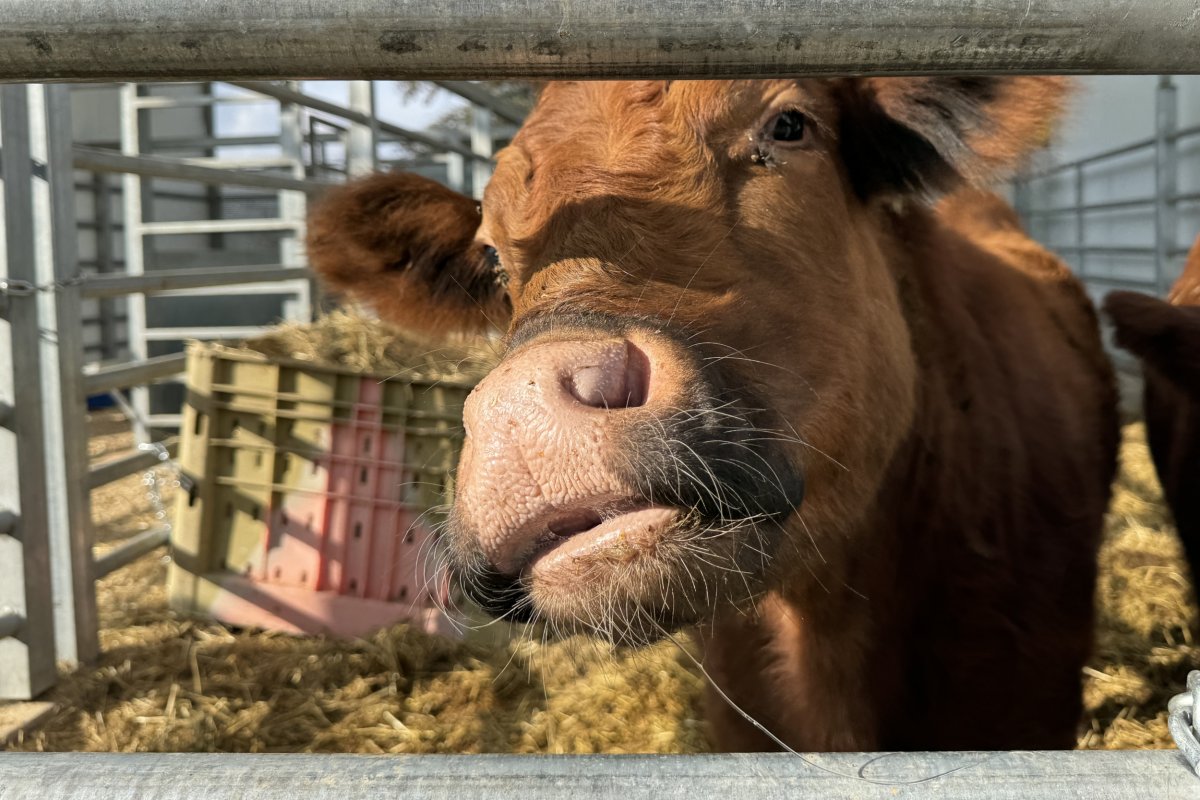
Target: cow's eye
point(789, 126)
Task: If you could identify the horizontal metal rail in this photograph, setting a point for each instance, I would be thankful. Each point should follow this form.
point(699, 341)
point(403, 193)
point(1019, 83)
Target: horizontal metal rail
point(136, 373)
point(286, 95)
point(1094, 775)
point(480, 96)
point(195, 101)
point(1110, 205)
point(202, 334)
point(216, 226)
point(8, 521)
point(130, 550)
point(1108, 155)
point(1149, 285)
point(10, 622)
point(113, 469)
point(158, 282)
point(98, 160)
point(68, 40)
point(165, 421)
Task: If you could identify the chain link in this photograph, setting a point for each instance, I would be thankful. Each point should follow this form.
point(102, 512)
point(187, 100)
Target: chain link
point(12, 287)
point(154, 481)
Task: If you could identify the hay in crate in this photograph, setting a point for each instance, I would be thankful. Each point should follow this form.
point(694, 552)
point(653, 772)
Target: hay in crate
point(168, 683)
point(345, 339)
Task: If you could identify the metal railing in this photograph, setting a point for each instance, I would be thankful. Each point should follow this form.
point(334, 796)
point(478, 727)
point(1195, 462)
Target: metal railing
point(47, 565)
point(416, 39)
point(1086, 775)
point(1161, 153)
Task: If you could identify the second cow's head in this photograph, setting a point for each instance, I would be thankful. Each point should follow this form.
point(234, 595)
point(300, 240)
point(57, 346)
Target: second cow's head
point(707, 356)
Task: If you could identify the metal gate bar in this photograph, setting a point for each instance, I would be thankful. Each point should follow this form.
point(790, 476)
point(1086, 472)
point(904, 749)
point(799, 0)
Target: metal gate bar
point(26, 590)
point(1085, 775)
point(48, 40)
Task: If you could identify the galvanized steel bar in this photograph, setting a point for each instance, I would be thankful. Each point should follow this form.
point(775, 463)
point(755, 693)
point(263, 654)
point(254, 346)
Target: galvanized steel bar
point(1094, 775)
point(133, 193)
point(215, 226)
point(118, 467)
point(64, 399)
point(96, 160)
point(136, 373)
point(1166, 179)
point(288, 95)
point(480, 96)
point(203, 334)
point(131, 549)
point(47, 40)
point(169, 280)
point(293, 206)
point(27, 665)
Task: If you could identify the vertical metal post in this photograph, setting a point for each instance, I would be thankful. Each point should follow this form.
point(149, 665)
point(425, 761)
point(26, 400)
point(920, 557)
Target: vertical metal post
point(293, 207)
point(27, 661)
point(131, 201)
point(362, 151)
point(456, 176)
point(214, 195)
point(64, 398)
point(1166, 182)
point(101, 196)
point(481, 144)
point(1080, 231)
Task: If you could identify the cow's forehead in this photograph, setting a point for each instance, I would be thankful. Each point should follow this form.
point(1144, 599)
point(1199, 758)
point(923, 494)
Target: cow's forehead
point(572, 110)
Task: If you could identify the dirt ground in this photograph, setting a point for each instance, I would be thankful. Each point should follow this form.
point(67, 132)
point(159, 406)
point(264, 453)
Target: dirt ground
point(169, 683)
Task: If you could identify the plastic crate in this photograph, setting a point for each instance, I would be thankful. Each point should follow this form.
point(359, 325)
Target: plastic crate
point(311, 494)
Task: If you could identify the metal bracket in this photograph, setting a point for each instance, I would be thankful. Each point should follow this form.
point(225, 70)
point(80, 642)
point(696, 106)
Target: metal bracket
point(1181, 721)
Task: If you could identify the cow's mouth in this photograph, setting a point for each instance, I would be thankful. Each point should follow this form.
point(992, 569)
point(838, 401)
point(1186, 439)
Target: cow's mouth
point(579, 538)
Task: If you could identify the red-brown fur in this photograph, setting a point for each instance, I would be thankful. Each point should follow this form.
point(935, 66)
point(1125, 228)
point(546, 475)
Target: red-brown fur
point(1166, 337)
point(945, 374)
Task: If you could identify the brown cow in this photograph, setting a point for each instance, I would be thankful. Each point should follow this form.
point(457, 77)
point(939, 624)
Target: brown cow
point(1166, 337)
point(753, 384)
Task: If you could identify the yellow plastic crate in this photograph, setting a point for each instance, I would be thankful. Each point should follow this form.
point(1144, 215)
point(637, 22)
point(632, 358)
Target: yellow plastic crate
point(311, 494)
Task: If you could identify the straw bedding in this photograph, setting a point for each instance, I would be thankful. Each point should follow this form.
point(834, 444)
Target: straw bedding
point(167, 683)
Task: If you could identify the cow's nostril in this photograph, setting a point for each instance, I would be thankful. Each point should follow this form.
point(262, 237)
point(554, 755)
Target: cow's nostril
point(619, 377)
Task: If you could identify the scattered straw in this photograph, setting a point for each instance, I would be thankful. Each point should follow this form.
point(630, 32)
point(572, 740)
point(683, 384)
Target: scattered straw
point(173, 684)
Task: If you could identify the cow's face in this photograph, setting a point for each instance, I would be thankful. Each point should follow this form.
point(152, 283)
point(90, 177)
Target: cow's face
point(707, 356)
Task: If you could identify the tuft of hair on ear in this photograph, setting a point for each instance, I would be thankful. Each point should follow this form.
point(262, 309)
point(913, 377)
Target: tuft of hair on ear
point(405, 247)
point(926, 136)
point(1164, 336)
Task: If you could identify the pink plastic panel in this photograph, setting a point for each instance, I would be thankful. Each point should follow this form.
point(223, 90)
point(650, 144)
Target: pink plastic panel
point(245, 602)
point(296, 530)
point(343, 527)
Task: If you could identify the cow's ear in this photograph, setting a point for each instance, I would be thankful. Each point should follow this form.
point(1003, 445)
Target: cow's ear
point(1163, 336)
point(926, 135)
point(405, 246)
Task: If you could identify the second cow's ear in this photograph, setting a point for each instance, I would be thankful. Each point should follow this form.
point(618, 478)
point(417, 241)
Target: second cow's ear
point(405, 246)
point(926, 135)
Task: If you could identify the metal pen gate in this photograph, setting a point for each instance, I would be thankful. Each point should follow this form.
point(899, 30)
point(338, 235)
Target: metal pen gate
point(47, 568)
